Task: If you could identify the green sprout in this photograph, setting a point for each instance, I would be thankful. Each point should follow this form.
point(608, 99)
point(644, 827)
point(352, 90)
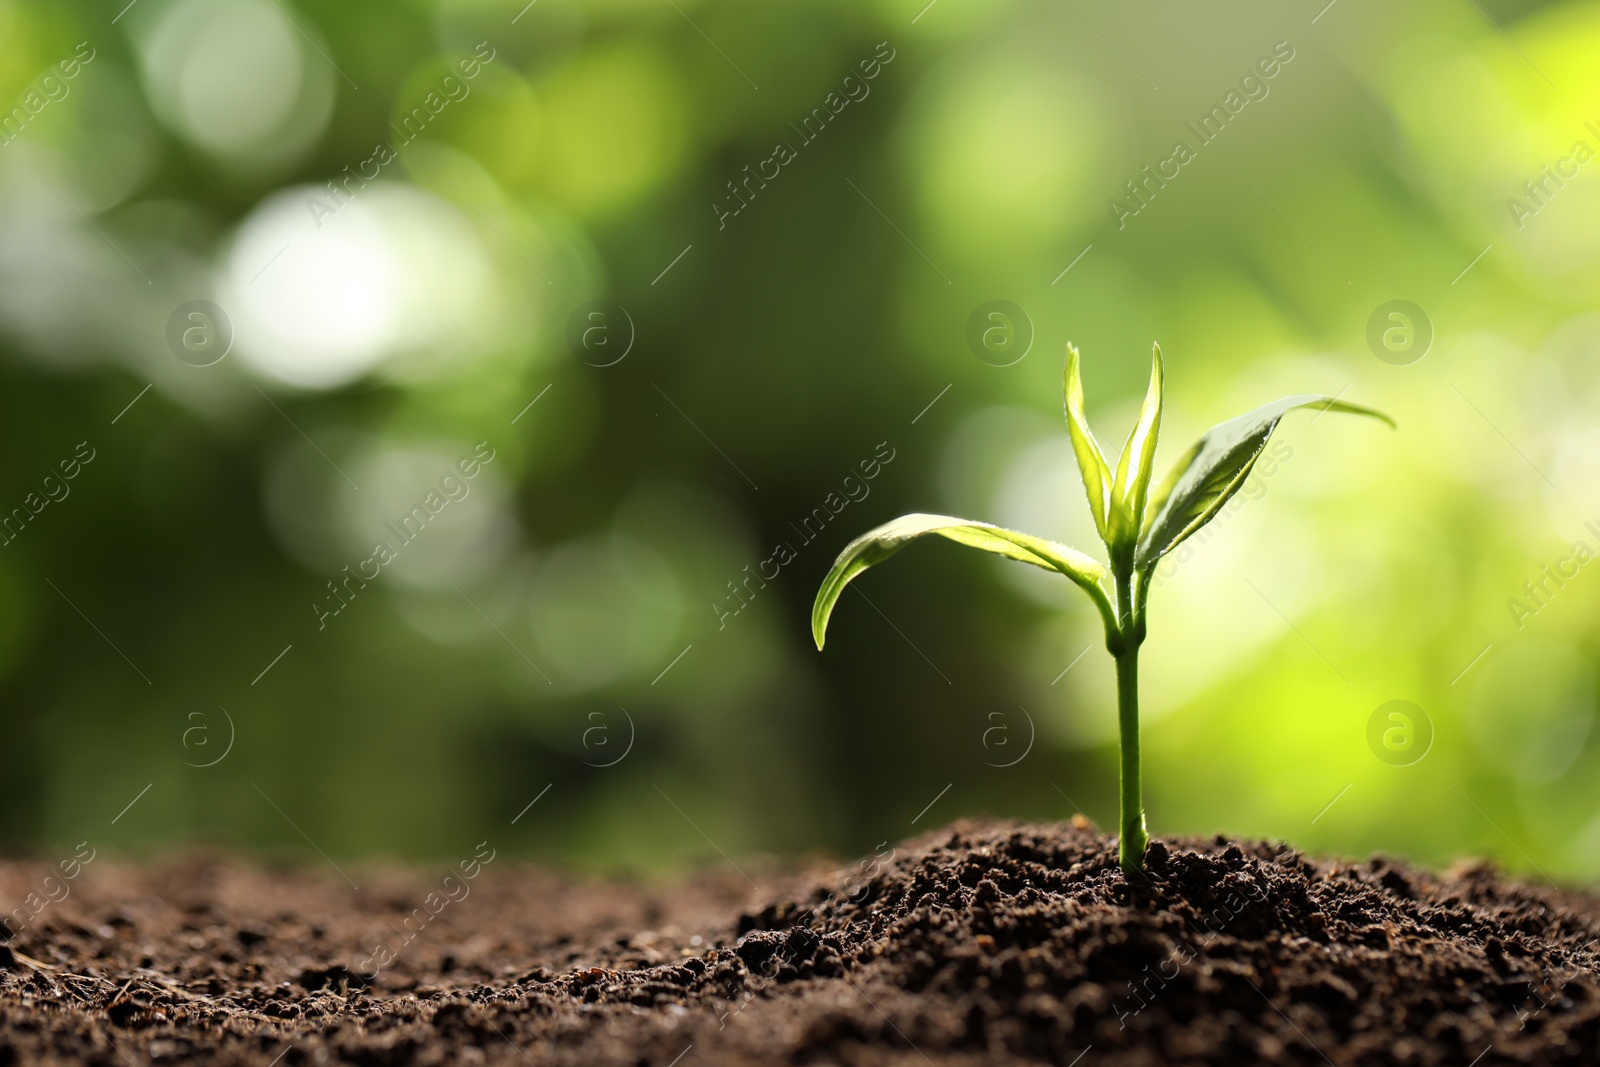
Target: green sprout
point(1137, 526)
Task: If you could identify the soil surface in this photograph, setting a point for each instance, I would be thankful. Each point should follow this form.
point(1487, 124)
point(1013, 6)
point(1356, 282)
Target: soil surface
point(985, 943)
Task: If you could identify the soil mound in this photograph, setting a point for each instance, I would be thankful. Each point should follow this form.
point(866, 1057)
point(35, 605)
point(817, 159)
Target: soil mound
point(982, 943)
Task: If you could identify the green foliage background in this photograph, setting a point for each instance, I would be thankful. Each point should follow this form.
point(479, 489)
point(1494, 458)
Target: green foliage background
point(788, 344)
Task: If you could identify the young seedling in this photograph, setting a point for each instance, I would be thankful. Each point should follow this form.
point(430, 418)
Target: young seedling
point(1137, 526)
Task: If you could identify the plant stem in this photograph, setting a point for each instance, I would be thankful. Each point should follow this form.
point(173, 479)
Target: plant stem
point(1134, 836)
point(1130, 634)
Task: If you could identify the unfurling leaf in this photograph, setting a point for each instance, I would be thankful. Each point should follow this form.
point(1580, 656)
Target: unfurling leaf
point(1129, 492)
point(1091, 461)
point(1213, 470)
point(879, 544)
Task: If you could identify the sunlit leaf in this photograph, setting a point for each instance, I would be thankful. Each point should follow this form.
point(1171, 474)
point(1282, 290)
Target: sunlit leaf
point(1214, 469)
point(877, 545)
point(1163, 491)
point(1091, 461)
point(1132, 486)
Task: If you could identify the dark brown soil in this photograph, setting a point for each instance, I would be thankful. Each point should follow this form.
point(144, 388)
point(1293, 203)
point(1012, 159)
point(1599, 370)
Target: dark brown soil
point(981, 944)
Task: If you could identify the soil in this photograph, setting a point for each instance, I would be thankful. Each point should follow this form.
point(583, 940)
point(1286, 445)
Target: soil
point(985, 943)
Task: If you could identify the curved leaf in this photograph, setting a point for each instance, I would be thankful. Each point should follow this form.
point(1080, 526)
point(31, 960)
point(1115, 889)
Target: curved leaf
point(1163, 492)
point(1132, 487)
point(1092, 463)
point(1214, 469)
point(875, 546)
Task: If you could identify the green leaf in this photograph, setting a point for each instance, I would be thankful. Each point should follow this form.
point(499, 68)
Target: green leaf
point(1214, 469)
point(1091, 461)
point(877, 545)
point(1132, 486)
point(1163, 492)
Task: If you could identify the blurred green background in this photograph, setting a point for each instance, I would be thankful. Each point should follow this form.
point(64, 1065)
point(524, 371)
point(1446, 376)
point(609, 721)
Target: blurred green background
point(404, 212)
